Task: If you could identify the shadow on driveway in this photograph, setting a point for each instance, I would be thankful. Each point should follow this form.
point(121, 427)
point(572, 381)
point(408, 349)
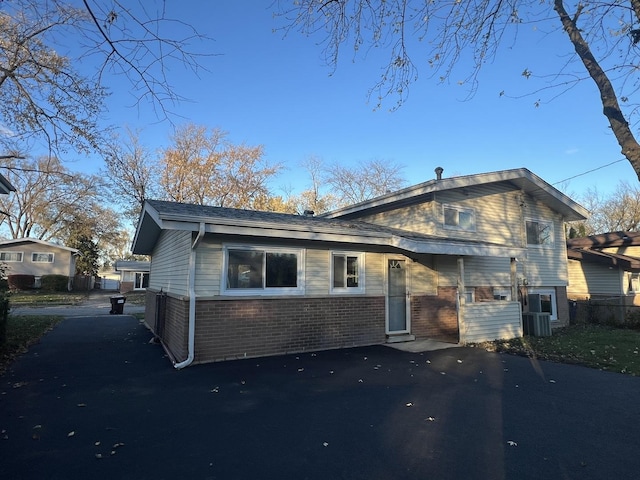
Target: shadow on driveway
point(96, 400)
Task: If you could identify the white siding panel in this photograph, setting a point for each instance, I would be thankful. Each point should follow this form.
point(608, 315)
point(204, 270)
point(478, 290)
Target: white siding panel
point(487, 271)
point(487, 321)
point(376, 270)
point(317, 273)
point(170, 262)
point(208, 268)
point(424, 277)
point(547, 265)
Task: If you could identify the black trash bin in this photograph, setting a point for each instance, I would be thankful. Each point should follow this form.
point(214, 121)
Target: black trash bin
point(117, 304)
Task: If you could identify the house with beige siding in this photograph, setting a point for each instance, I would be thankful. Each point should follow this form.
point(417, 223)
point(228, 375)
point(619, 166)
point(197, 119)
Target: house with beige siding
point(452, 259)
point(30, 256)
point(605, 270)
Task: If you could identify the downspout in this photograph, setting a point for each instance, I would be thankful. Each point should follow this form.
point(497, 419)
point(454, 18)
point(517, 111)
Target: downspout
point(192, 301)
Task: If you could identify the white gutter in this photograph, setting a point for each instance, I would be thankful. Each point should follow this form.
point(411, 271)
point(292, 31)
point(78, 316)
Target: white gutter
point(192, 301)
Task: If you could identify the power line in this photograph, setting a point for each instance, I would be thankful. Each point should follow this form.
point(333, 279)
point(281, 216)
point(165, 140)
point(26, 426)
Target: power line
point(591, 171)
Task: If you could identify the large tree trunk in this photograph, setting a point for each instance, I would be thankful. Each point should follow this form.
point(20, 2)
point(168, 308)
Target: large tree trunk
point(610, 106)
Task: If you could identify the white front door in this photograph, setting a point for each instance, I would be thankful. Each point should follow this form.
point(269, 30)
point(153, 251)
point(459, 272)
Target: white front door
point(398, 319)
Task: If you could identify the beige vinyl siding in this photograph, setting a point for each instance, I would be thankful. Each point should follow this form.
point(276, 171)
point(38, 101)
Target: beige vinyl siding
point(546, 265)
point(424, 277)
point(497, 215)
point(587, 279)
point(478, 271)
point(415, 218)
point(317, 272)
point(631, 250)
point(375, 274)
point(486, 321)
point(170, 262)
point(62, 264)
point(209, 260)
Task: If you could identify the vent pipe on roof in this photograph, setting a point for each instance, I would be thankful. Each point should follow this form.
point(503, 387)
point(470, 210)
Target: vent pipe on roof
point(439, 171)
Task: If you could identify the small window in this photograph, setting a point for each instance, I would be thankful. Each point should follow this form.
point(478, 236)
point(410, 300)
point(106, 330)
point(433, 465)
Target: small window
point(347, 272)
point(42, 257)
point(470, 295)
point(502, 294)
point(260, 271)
point(459, 218)
point(10, 256)
point(141, 280)
point(539, 232)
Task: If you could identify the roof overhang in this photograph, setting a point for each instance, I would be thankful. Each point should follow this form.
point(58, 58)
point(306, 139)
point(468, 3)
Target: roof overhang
point(152, 223)
point(520, 179)
point(611, 260)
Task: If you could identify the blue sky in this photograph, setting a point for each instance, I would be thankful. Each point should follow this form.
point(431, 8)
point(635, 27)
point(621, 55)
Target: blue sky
point(275, 90)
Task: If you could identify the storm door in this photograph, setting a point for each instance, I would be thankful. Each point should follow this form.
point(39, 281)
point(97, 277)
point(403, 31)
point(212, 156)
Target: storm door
point(397, 297)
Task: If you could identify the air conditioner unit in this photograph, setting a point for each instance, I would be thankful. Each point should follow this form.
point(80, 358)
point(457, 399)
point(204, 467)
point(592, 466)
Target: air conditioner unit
point(535, 302)
point(537, 324)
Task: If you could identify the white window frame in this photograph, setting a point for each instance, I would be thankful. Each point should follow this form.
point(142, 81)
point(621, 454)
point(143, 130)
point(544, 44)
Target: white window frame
point(539, 221)
point(361, 273)
point(264, 291)
point(50, 255)
point(459, 209)
point(20, 254)
point(135, 280)
point(554, 303)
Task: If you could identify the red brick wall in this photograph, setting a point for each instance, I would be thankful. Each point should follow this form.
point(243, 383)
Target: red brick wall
point(435, 316)
point(235, 328)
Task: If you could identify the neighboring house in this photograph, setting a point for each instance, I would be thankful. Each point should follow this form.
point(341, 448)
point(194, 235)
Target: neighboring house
point(605, 268)
point(30, 256)
point(446, 259)
point(5, 186)
point(134, 275)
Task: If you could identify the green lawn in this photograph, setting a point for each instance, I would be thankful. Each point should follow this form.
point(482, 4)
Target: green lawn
point(595, 346)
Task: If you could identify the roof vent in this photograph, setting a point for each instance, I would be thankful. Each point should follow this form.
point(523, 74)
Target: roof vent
point(309, 213)
point(439, 171)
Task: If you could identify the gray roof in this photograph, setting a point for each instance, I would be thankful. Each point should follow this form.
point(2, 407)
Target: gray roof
point(161, 215)
point(520, 179)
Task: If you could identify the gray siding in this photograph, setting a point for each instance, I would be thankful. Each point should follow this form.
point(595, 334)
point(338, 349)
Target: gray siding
point(170, 263)
point(62, 260)
point(478, 271)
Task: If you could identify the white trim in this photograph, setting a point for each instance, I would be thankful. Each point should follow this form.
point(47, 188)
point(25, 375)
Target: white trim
point(360, 289)
point(458, 209)
point(540, 221)
point(407, 295)
point(11, 252)
point(299, 289)
point(53, 257)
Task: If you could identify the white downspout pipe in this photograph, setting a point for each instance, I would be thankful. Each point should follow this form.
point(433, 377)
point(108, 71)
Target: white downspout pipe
point(192, 301)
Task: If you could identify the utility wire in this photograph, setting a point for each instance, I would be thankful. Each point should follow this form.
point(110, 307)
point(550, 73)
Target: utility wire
point(590, 171)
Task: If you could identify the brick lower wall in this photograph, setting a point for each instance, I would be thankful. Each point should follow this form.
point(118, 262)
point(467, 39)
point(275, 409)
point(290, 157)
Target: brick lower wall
point(435, 316)
point(238, 328)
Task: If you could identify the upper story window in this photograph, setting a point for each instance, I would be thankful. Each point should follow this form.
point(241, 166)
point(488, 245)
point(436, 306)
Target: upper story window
point(263, 271)
point(347, 272)
point(539, 232)
point(10, 256)
point(459, 218)
point(42, 257)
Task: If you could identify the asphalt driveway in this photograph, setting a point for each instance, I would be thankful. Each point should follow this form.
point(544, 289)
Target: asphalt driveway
point(95, 400)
